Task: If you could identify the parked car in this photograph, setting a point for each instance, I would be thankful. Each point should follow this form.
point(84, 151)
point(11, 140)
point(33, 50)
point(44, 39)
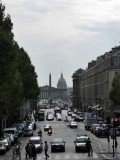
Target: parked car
point(112, 132)
point(37, 141)
point(73, 124)
point(28, 132)
point(3, 147)
point(6, 141)
point(57, 144)
point(47, 126)
point(13, 131)
point(80, 143)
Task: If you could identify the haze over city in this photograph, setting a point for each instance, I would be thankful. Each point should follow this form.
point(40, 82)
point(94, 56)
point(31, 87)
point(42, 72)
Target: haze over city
point(64, 35)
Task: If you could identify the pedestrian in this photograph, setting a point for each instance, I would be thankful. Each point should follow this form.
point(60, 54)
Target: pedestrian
point(89, 147)
point(13, 151)
point(18, 151)
point(46, 150)
point(27, 149)
point(34, 152)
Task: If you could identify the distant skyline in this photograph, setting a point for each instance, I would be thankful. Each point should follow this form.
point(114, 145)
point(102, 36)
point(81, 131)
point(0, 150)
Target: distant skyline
point(64, 35)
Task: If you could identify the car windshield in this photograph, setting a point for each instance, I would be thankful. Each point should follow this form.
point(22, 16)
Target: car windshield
point(81, 140)
point(58, 141)
point(34, 141)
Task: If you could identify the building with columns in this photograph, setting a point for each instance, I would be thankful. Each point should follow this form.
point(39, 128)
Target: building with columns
point(48, 92)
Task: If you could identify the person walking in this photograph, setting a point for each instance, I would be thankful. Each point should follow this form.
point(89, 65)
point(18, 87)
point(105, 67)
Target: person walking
point(46, 150)
point(27, 149)
point(34, 156)
point(13, 151)
point(89, 147)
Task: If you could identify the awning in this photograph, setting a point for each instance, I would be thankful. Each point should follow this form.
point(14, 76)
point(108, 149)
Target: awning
point(89, 107)
point(94, 107)
point(99, 109)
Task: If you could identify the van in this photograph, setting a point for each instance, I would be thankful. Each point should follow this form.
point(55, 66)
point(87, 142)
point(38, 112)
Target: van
point(12, 131)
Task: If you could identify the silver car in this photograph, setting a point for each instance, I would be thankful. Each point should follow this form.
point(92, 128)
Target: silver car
point(37, 141)
point(3, 147)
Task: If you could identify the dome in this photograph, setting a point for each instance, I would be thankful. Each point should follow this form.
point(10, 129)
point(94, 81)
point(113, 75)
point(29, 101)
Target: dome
point(61, 83)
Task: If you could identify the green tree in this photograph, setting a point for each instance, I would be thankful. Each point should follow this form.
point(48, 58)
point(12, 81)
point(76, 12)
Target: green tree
point(29, 76)
point(11, 86)
point(115, 92)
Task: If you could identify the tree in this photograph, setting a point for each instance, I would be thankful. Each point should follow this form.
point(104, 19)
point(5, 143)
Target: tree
point(115, 92)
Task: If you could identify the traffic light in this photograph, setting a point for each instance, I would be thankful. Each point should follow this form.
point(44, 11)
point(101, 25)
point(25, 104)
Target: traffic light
point(116, 122)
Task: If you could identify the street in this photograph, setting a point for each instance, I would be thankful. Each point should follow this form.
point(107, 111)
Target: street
point(61, 130)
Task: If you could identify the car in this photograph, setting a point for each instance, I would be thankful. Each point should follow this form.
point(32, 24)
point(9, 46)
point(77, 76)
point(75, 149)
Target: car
point(6, 141)
point(80, 143)
point(37, 141)
point(28, 132)
point(73, 124)
point(93, 126)
point(10, 137)
point(69, 113)
point(57, 144)
point(13, 131)
point(59, 117)
point(78, 119)
point(19, 128)
point(47, 126)
point(73, 116)
point(50, 117)
point(3, 147)
point(101, 132)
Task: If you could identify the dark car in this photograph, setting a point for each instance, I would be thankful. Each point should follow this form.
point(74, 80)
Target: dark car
point(80, 143)
point(101, 132)
point(58, 144)
point(28, 132)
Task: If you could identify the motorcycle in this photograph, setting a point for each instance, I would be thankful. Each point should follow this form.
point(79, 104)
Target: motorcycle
point(40, 134)
point(49, 132)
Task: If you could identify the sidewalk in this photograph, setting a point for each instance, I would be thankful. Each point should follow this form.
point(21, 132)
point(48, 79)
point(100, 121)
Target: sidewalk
point(109, 156)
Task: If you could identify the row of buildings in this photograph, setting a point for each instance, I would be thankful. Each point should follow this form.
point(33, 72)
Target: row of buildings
point(91, 87)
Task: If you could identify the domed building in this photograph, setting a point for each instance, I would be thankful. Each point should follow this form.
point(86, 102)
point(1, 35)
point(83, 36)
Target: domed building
point(47, 91)
point(62, 87)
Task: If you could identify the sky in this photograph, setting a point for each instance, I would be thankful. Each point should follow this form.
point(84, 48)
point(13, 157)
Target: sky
point(64, 35)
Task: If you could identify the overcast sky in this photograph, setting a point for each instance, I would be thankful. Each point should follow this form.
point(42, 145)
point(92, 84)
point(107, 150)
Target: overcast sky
point(64, 35)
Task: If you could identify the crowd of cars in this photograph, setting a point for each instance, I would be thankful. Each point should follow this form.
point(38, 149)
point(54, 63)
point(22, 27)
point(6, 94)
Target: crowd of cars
point(10, 135)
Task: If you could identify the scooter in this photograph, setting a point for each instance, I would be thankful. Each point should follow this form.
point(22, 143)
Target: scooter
point(49, 132)
point(40, 134)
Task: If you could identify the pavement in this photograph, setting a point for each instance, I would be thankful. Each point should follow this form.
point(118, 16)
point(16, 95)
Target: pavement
point(108, 155)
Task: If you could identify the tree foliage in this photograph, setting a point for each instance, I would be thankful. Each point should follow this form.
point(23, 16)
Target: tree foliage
point(115, 92)
point(18, 79)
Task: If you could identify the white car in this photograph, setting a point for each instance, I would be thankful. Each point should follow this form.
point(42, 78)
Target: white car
point(59, 117)
point(73, 124)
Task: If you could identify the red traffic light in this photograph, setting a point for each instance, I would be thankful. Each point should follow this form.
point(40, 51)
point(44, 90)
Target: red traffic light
point(116, 122)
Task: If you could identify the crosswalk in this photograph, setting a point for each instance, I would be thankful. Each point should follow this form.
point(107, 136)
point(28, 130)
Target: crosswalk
point(65, 156)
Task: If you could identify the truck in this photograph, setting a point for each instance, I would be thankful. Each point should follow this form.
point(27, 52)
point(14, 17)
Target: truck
point(89, 121)
point(41, 116)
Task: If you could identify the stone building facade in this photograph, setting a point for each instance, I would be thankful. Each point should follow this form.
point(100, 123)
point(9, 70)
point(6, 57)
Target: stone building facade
point(95, 83)
point(48, 92)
